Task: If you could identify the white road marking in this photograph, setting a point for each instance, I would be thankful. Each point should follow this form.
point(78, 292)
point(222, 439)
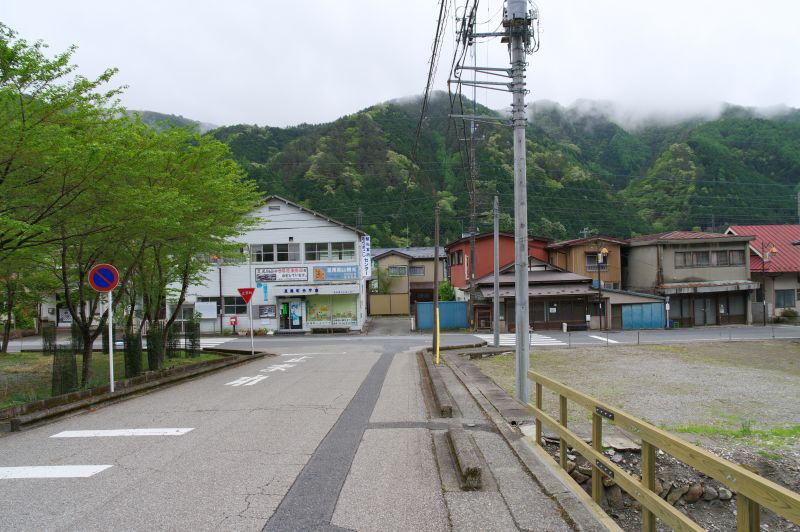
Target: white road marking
point(298, 359)
point(120, 432)
point(247, 381)
point(301, 354)
point(64, 471)
point(603, 338)
point(278, 367)
point(507, 339)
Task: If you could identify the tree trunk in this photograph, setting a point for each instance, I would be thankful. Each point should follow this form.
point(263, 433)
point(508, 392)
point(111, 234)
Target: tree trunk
point(86, 372)
point(9, 316)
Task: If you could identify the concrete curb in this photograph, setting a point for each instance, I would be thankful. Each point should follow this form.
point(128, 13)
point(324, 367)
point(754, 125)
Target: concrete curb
point(40, 412)
point(467, 459)
point(441, 399)
point(505, 413)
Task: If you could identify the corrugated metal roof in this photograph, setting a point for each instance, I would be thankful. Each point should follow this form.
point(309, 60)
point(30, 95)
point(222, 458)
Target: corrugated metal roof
point(787, 259)
point(413, 252)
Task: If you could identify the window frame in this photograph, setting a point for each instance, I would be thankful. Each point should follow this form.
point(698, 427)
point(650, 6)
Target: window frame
point(397, 268)
point(420, 271)
point(320, 252)
point(238, 305)
point(342, 251)
point(781, 302)
point(292, 250)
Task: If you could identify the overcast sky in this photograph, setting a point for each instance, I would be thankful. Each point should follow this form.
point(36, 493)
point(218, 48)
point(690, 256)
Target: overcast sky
point(282, 63)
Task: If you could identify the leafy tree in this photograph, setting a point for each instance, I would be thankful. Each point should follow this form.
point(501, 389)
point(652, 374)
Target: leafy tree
point(446, 291)
point(49, 120)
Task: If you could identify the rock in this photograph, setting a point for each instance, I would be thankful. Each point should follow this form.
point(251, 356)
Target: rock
point(617, 458)
point(620, 443)
point(710, 494)
point(571, 457)
point(608, 481)
point(676, 493)
point(694, 493)
point(579, 477)
point(614, 497)
point(570, 466)
point(585, 468)
point(725, 494)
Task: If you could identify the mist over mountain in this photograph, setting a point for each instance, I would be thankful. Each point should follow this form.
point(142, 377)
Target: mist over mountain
point(589, 165)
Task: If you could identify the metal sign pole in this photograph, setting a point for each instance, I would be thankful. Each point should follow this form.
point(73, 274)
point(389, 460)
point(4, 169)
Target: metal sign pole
point(250, 302)
point(110, 341)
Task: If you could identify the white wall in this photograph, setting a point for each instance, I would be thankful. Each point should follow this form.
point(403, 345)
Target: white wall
point(287, 225)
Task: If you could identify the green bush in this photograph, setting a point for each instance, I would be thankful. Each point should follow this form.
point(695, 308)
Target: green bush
point(789, 313)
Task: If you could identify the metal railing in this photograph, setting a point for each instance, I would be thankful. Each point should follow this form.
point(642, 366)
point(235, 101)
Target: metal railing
point(752, 491)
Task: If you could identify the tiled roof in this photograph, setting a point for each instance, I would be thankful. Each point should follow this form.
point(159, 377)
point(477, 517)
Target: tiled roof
point(482, 236)
point(678, 235)
point(413, 252)
point(588, 239)
point(787, 259)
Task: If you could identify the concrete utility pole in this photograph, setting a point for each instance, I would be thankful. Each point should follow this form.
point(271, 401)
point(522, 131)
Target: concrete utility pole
point(517, 22)
point(435, 279)
point(496, 309)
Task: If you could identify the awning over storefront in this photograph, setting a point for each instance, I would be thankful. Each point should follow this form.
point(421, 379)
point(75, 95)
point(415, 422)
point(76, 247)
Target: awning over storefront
point(581, 289)
point(701, 287)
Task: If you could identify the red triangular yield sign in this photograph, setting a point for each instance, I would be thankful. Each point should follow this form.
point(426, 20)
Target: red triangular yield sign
point(246, 293)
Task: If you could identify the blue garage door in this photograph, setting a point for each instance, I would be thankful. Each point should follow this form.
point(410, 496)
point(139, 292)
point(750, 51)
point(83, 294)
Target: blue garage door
point(452, 315)
point(643, 316)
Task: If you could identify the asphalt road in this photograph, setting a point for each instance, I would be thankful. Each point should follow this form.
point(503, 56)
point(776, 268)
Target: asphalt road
point(266, 444)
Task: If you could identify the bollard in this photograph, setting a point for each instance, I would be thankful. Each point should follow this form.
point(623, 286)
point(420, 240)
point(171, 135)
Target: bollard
point(637, 337)
point(569, 339)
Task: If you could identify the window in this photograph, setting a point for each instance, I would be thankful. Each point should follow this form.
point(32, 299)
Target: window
point(416, 271)
point(274, 208)
point(736, 258)
point(397, 271)
point(457, 257)
point(591, 263)
point(317, 251)
point(287, 252)
point(682, 258)
point(234, 305)
point(263, 252)
point(343, 251)
point(701, 258)
point(720, 258)
point(784, 298)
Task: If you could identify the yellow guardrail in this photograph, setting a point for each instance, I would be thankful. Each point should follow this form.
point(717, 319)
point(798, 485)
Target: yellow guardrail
point(752, 491)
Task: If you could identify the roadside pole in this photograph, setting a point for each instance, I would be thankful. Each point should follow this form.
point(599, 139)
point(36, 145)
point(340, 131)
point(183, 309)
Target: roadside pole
point(110, 341)
point(104, 278)
point(517, 22)
point(436, 283)
point(496, 307)
point(250, 301)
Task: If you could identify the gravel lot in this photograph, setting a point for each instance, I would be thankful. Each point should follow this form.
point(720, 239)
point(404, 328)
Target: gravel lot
point(724, 385)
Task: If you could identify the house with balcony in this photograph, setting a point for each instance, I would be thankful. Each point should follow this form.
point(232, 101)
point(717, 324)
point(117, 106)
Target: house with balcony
point(609, 307)
point(774, 263)
point(410, 272)
point(704, 276)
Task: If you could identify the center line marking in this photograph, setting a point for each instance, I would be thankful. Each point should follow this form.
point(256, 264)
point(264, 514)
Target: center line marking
point(121, 432)
point(65, 471)
point(603, 339)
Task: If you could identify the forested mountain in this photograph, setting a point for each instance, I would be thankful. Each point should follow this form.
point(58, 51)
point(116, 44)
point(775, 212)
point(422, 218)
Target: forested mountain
point(584, 170)
point(162, 121)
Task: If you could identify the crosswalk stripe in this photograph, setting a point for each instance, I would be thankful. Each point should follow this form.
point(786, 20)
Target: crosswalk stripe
point(507, 339)
point(605, 339)
point(64, 471)
point(120, 432)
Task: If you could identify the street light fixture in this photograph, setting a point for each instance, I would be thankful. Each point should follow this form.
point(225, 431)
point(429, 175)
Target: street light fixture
point(767, 251)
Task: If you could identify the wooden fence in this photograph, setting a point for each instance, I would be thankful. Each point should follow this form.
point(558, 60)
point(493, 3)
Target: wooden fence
point(752, 491)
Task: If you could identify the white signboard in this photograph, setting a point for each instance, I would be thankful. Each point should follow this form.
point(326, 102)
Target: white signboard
point(206, 309)
point(366, 256)
point(264, 275)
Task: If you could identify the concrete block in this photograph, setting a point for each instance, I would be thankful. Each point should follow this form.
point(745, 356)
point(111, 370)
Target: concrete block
point(467, 458)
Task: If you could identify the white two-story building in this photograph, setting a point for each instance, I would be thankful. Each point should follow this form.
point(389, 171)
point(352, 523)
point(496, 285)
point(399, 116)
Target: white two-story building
point(308, 270)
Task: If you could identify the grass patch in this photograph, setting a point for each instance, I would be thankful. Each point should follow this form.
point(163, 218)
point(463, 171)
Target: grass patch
point(771, 438)
point(26, 377)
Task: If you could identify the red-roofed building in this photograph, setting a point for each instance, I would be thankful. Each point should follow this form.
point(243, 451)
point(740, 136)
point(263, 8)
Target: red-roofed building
point(705, 276)
point(775, 263)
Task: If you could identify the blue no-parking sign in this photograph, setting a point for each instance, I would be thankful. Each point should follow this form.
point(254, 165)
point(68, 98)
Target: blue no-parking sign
point(104, 277)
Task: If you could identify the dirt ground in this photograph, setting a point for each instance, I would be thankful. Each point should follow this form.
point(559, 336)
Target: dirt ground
point(740, 400)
